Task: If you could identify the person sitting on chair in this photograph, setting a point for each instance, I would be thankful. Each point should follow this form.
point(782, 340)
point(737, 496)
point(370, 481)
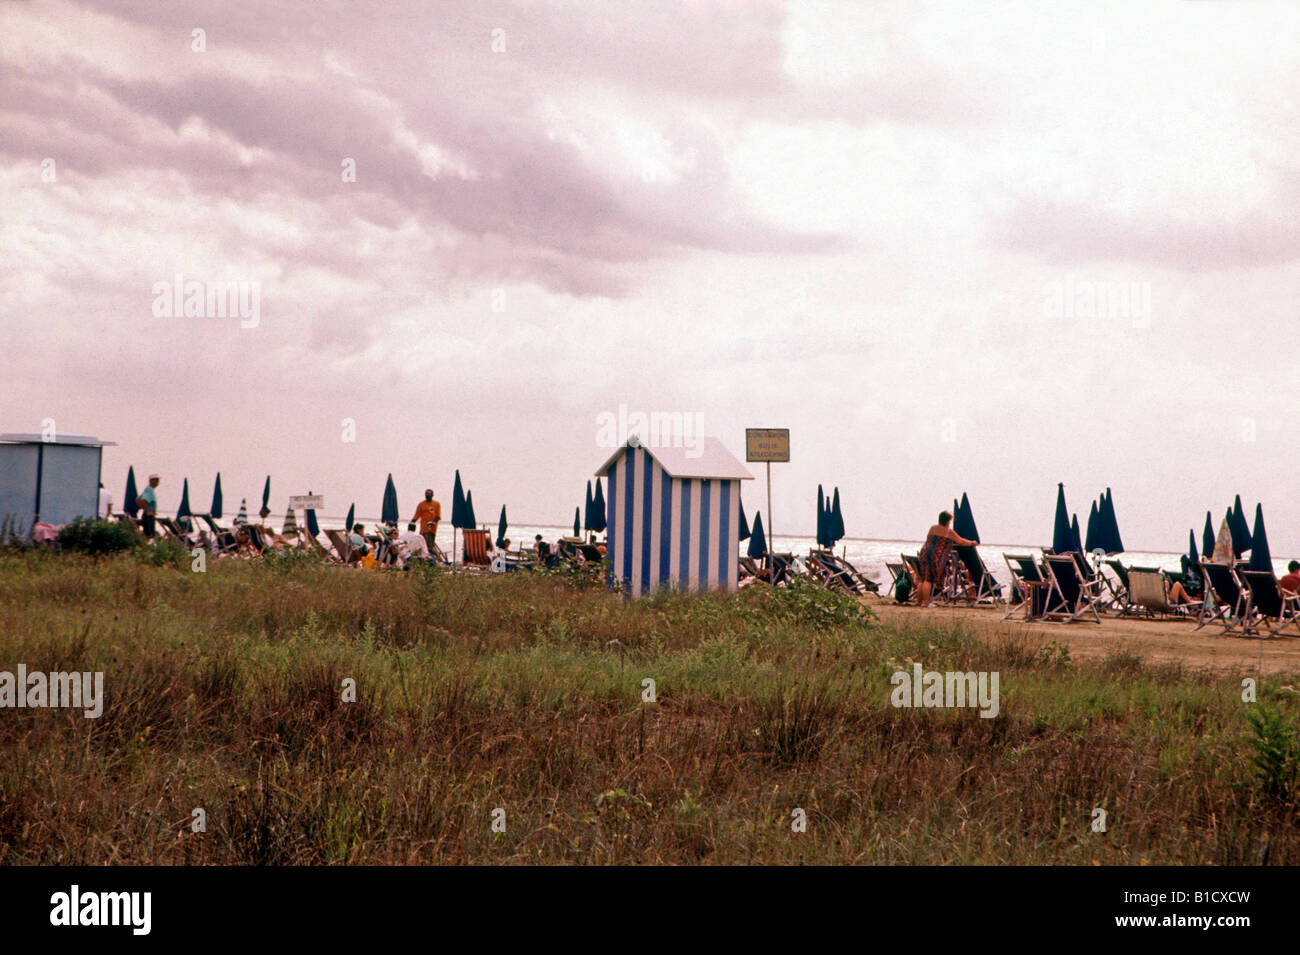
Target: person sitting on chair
point(1291, 581)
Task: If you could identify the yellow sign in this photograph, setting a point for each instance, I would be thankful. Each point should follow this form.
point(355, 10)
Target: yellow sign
point(767, 444)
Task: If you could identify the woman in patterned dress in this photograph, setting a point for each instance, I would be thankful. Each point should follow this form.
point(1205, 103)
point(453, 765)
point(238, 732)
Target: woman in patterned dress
point(934, 556)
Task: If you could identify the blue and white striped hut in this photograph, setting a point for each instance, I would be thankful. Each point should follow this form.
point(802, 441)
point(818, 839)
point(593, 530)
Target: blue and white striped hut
point(673, 516)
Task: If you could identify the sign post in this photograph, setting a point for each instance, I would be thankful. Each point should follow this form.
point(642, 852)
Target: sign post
point(307, 502)
point(767, 445)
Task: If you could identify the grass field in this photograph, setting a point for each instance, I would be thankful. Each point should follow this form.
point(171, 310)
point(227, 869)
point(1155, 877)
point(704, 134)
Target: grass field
point(524, 693)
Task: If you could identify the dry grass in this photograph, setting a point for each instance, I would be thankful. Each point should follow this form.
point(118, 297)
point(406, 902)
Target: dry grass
point(524, 693)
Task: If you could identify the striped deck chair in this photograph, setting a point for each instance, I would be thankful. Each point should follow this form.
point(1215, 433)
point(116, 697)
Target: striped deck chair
point(1149, 590)
point(1027, 579)
point(1070, 594)
point(1269, 608)
point(476, 553)
point(1224, 597)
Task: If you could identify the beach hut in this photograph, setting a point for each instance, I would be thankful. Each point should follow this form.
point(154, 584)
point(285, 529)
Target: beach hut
point(48, 477)
point(672, 516)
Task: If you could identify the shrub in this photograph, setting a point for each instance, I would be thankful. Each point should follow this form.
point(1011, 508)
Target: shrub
point(99, 537)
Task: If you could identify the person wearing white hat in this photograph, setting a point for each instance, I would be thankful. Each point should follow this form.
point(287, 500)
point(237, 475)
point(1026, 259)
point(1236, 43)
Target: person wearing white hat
point(148, 501)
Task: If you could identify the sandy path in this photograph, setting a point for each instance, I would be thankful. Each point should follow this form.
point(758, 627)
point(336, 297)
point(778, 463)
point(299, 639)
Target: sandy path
point(1157, 641)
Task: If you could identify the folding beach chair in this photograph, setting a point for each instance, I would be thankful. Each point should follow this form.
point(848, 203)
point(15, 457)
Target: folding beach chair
point(1268, 607)
point(476, 554)
point(826, 570)
point(983, 587)
point(1027, 578)
point(868, 584)
point(1224, 598)
point(1149, 590)
point(1070, 595)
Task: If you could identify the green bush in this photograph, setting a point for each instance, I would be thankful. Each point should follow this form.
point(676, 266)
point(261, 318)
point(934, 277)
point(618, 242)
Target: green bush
point(99, 537)
point(166, 553)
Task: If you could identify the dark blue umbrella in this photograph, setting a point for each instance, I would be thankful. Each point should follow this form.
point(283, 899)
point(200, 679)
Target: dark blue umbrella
point(1241, 535)
point(1062, 535)
point(458, 505)
point(266, 493)
point(389, 513)
point(183, 512)
point(821, 517)
point(577, 531)
point(587, 506)
point(469, 510)
point(1260, 558)
point(598, 510)
point(837, 519)
point(1090, 542)
point(963, 521)
point(312, 524)
point(501, 528)
point(1192, 557)
point(1074, 532)
point(216, 498)
point(352, 513)
point(1208, 538)
point(744, 524)
point(1112, 543)
point(130, 505)
point(757, 542)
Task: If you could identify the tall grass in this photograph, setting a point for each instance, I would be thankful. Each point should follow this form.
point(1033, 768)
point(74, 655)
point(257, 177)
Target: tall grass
point(523, 693)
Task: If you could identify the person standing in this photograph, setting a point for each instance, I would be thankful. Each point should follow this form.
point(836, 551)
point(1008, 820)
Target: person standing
point(105, 503)
point(148, 502)
point(939, 542)
point(427, 515)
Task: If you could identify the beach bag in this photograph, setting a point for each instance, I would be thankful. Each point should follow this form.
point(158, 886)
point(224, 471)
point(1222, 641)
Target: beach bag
point(369, 562)
point(902, 588)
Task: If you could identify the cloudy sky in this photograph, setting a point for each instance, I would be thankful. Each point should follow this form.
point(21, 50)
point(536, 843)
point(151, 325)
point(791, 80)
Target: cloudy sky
point(983, 247)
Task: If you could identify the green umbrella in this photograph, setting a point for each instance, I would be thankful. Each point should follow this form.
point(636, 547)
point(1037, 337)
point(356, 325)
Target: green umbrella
point(183, 512)
point(266, 493)
point(352, 513)
point(1260, 558)
point(587, 506)
point(577, 530)
point(598, 510)
point(757, 542)
point(744, 524)
point(1062, 534)
point(242, 516)
point(458, 505)
point(389, 513)
point(469, 510)
point(132, 495)
point(216, 499)
point(837, 519)
point(501, 528)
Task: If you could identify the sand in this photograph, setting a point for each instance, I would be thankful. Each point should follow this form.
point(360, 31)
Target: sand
point(1156, 641)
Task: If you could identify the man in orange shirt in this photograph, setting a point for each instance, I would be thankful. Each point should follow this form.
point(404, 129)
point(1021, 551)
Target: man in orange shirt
point(427, 515)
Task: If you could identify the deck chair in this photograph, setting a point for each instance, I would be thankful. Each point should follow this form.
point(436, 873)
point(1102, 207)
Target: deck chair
point(1224, 598)
point(476, 554)
point(985, 588)
point(1070, 595)
point(1149, 589)
point(782, 568)
point(826, 569)
point(1268, 607)
point(868, 584)
point(1025, 572)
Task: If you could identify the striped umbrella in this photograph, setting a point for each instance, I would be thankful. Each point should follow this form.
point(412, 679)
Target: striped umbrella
point(216, 499)
point(1223, 552)
point(242, 516)
point(183, 512)
point(129, 504)
point(290, 524)
point(598, 510)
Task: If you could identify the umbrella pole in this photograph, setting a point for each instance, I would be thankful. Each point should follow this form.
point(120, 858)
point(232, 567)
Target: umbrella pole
point(771, 531)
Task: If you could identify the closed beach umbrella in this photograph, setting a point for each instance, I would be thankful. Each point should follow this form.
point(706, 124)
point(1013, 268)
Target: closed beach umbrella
point(313, 526)
point(577, 531)
point(1192, 557)
point(1062, 535)
point(587, 505)
point(501, 528)
point(1241, 536)
point(458, 505)
point(469, 510)
point(1074, 532)
point(129, 505)
point(266, 493)
point(1223, 552)
point(1112, 543)
point(389, 513)
point(837, 519)
point(352, 512)
point(290, 524)
point(744, 524)
point(216, 498)
point(1260, 558)
point(183, 512)
point(598, 510)
point(821, 518)
point(964, 520)
point(1207, 539)
point(1090, 535)
point(757, 542)
point(242, 516)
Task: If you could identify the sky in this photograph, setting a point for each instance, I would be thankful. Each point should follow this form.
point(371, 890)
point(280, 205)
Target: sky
point(952, 247)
